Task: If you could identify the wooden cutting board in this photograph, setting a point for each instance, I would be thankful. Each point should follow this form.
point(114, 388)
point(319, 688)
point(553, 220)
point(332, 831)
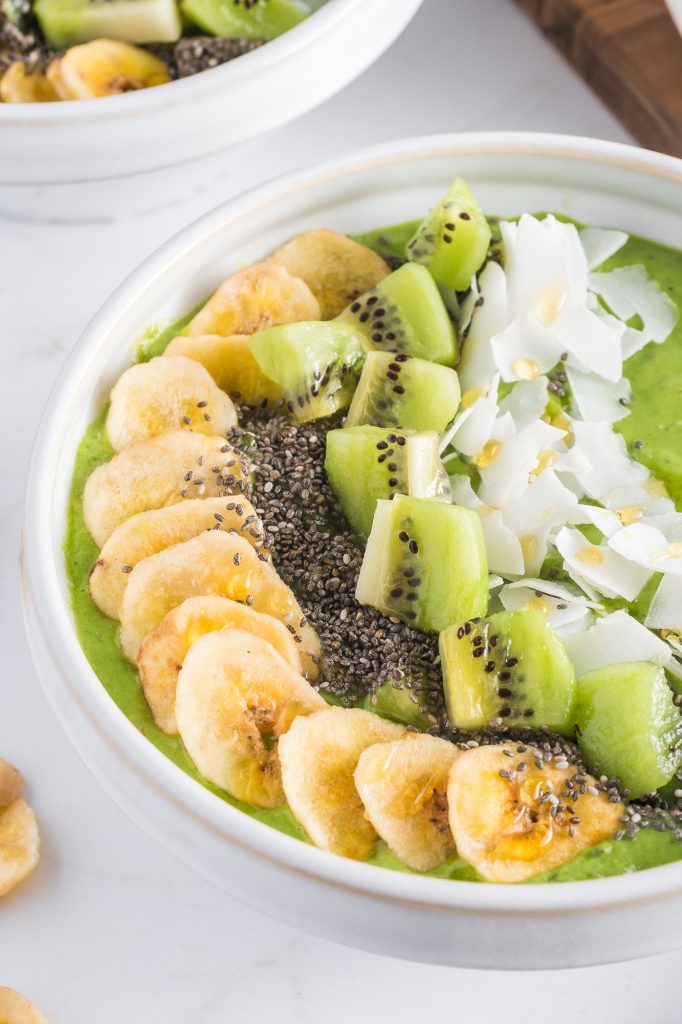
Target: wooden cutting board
point(630, 53)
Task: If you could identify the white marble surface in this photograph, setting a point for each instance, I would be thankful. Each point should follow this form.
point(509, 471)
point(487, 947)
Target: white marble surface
point(110, 928)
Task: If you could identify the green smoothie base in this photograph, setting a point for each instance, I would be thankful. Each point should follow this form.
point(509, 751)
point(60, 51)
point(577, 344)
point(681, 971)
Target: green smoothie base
point(654, 419)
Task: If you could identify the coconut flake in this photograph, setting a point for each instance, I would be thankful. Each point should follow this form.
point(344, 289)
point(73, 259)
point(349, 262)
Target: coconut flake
point(614, 639)
point(560, 613)
point(597, 399)
point(473, 425)
point(526, 401)
point(600, 566)
point(607, 522)
point(665, 610)
point(610, 465)
point(477, 365)
point(648, 546)
point(544, 504)
point(506, 478)
point(629, 291)
point(599, 244)
point(592, 343)
point(503, 549)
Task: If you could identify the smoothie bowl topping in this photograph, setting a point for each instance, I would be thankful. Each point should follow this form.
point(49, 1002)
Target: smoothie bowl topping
point(54, 50)
point(380, 545)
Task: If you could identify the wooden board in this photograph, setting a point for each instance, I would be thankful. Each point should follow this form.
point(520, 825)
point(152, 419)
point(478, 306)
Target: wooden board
point(630, 53)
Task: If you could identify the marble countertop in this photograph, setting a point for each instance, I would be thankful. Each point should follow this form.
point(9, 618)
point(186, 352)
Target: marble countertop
point(110, 927)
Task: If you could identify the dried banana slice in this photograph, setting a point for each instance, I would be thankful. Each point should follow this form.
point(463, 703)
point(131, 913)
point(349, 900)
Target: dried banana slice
point(166, 394)
point(163, 652)
point(403, 786)
point(212, 563)
point(159, 472)
point(150, 532)
point(318, 756)
point(11, 783)
point(236, 696)
point(335, 268)
point(255, 298)
point(17, 85)
point(19, 844)
point(105, 67)
point(17, 1009)
point(231, 364)
point(512, 820)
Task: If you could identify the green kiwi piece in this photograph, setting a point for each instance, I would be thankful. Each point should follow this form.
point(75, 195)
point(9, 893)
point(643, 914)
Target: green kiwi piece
point(317, 365)
point(509, 669)
point(425, 563)
point(236, 19)
point(405, 313)
point(365, 464)
point(398, 390)
point(399, 703)
point(628, 725)
point(68, 22)
point(453, 240)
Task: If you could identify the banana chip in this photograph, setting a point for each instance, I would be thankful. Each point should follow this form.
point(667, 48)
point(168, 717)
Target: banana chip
point(16, 1009)
point(403, 785)
point(19, 844)
point(163, 652)
point(167, 393)
point(147, 533)
point(11, 783)
point(512, 820)
point(230, 362)
point(318, 756)
point(159, 472)
point(255, 298)
point(336, 268)
point(212, 563)
point(236, 696)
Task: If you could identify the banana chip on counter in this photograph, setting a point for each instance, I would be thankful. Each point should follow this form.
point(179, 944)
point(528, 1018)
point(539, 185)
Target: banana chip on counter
point(17, 1009)
point(403, 786)
point(512, 820)
point(19, 839)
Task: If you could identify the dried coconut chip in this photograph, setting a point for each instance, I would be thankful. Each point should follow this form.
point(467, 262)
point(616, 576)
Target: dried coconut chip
point(599, 244)
point(665, 610)
point(603, 568)
point(560, 612)
point(477, 365)
point(597, 399)
point(648, 546)
point(629, 291)
point(612, 640)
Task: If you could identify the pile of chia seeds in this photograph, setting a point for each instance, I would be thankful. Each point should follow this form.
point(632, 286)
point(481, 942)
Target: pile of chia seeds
point(319, 558)
point(193, 54)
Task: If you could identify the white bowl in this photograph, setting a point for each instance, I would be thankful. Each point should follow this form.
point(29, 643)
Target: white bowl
point(75, 143)
point(420, 918)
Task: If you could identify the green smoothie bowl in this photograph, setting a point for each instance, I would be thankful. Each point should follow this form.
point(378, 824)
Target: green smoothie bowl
point(362, 589)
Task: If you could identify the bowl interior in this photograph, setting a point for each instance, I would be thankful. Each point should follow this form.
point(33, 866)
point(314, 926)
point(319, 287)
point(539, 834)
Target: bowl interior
point(600, 183)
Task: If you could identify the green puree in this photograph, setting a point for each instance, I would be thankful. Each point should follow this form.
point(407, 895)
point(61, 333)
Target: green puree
point(656, 378)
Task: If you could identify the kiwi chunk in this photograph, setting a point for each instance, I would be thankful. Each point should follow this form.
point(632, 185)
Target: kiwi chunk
point(316, 364)
point(245, 19)
point(628, 725)
point(425, 563)
point(399, 703)
point(69, 22)
point(398, 390)
point(510, 669)
point(365, 464)
point(453, 240)
point(405, 313)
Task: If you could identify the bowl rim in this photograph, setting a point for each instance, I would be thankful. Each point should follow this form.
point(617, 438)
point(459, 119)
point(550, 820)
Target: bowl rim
point(233, 74)
point(43, 568)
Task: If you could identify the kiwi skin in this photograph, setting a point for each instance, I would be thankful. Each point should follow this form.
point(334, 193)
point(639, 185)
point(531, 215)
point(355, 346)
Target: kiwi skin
point(508, 670)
